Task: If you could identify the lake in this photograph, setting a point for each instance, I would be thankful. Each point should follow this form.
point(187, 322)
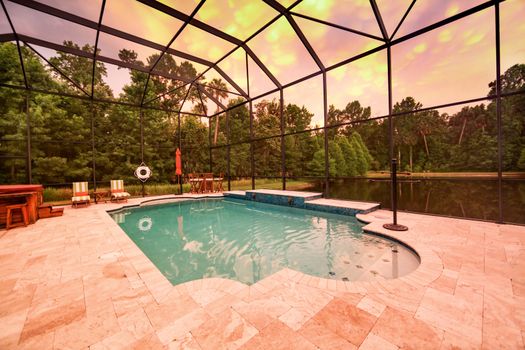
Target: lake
point(468, 198)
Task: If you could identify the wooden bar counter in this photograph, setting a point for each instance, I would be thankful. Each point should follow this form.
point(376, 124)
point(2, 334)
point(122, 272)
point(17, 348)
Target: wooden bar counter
point(13, 194)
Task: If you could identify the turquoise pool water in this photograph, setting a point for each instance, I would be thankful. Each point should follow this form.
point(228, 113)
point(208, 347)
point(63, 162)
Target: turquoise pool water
point(248, 241)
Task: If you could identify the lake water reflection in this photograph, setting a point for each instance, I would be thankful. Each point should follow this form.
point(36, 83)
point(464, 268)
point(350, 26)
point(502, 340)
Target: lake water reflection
point(469, 198)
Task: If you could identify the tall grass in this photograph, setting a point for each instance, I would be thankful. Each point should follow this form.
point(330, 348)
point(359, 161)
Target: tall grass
point(270, 184)
point(62, 195)
point(52, 194)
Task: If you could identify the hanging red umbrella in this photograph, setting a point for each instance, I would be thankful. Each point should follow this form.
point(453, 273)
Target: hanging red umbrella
point(178, 167)
point(178, 163)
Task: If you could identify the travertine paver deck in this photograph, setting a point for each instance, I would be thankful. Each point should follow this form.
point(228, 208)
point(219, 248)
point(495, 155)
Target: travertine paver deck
point(78, 282)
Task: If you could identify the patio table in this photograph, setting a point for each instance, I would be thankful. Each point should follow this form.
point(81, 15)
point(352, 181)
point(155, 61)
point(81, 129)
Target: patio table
point(205, 184)
point(102, 196)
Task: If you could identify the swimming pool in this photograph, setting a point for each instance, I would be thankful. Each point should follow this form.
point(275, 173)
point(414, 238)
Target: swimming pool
point(248, 241)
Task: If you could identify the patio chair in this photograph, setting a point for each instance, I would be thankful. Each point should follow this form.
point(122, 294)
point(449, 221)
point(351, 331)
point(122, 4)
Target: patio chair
point(80, 194)
point(117, 191)
point(218, 182)
point(193, 179)
point(207, 183)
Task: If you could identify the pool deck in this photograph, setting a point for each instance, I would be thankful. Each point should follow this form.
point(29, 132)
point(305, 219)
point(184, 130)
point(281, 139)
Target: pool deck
point(79, 282)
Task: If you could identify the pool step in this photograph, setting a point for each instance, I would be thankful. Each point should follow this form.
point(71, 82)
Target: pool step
point(343, 207)
point(287, 198)
point(305, 200)
point(235, 194)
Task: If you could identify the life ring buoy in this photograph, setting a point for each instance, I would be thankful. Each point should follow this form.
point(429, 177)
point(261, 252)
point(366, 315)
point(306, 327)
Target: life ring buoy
point(145, 224)
point(143, 172)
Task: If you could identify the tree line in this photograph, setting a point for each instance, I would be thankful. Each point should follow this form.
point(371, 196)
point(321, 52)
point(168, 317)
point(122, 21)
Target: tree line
point(61, 139)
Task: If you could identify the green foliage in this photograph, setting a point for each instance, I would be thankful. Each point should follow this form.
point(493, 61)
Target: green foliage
point(50, 169)
point(521, 161)
point(361, 159)
point(61, 128)
point(336, 155)
point(316, 165)
point(80, 70)
point(366, 153)
point(349, 155)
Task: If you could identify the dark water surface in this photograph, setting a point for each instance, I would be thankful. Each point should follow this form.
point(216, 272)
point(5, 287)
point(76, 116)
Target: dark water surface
point(468, 198)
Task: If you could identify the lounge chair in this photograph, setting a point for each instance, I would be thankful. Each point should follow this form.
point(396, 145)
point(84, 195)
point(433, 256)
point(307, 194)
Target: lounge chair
point(80, 194)
point(117, 191)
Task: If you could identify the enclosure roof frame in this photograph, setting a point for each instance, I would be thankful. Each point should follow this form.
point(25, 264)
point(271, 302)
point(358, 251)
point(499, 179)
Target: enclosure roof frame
point(190, 20)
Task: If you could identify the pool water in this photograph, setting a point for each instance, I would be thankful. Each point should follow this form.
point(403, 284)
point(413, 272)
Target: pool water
point(248, 241)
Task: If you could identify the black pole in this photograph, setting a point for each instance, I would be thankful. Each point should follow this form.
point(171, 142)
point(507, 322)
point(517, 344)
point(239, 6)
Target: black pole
point(283, 146)
point(28, 142)
point(252, 159)
point(390, 119)
point(325, 122)
point(93, 149)
point(180, 149)
point(209, 146)
point(394, 187)
point(228, 150)
point(142, 146)
point(498, 116)
point(394, 226)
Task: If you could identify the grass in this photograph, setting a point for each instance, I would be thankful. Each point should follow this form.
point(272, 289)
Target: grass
point(270, 184)
point(62, 195)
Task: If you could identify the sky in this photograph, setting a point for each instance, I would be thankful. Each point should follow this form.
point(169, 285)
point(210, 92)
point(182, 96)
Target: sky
point(448, 64)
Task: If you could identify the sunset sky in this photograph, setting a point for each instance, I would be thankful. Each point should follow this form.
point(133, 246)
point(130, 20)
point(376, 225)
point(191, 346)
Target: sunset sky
point(448, 64)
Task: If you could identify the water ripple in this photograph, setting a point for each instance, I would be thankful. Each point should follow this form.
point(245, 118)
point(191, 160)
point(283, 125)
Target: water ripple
point(248, 241)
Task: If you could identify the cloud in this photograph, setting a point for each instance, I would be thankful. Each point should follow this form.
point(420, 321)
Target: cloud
point(338, 73)
point(420, 48)
point(474, 39)
point(445, 36)
point(457, 60)
point(452, 10)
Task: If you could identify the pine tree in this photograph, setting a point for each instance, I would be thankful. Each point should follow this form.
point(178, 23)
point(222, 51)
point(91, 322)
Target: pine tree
point(367, 154)
point(336, 154)
point(349, 154)
point(361, 162)
point(316, 165)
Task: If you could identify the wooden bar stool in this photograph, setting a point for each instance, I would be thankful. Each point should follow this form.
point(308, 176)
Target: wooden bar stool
point(23, 209)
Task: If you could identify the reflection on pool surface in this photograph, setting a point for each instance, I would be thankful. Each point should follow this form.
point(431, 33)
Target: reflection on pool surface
point(248, 241)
